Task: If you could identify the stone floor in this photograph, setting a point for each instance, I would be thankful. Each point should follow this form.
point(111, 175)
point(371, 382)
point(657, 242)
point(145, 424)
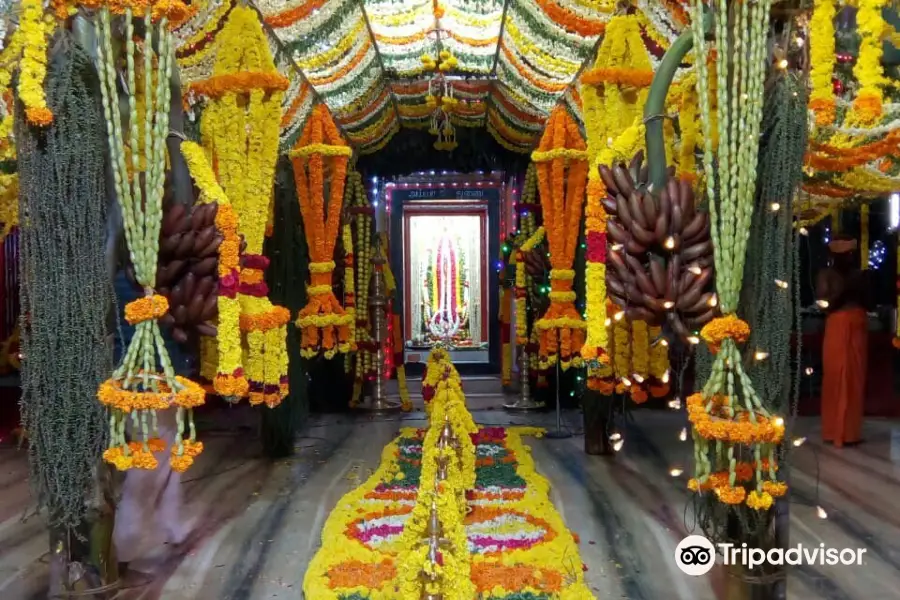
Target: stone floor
point(255, 525)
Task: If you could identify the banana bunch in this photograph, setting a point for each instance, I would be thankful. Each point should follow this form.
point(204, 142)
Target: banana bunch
point(660, 256)
point(187, 272)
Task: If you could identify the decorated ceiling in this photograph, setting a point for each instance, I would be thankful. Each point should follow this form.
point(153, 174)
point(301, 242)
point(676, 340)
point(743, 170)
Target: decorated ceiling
point(512, 60)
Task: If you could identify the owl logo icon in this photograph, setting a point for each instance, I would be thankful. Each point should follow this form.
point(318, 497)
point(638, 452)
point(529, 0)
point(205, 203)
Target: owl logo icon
point(695, 555)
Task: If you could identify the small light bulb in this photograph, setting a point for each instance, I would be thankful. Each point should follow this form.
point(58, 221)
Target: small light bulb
point(626, 382)
point(675, 403)
point(668, 305)
point(608, 322)
point(775, 207)
point(782, 284)
point(783, 64)
point(616, 247)
point(713, 300)
point(799, 441)
point(665, 376)
point(670, 242)
point(676, 472)
point(694, 340)
point(695, 269)
point(779, 422)
point(618, 445)
point(799, 41)
point(820, 512)
point(615, 436)
point(619, 315)
point(803, 231)
point(822, 303)
point(809, 370)
point(664, 342)
point(638, 377)
point(683, 435)
point(760, 355)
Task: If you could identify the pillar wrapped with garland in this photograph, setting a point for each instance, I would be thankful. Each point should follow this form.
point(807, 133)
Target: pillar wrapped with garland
point(324, 325)
point(562, 169)
point(240, 127)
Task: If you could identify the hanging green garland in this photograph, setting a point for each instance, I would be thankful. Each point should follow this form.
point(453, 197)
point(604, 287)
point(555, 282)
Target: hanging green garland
point(66, 291)
point(735, 436)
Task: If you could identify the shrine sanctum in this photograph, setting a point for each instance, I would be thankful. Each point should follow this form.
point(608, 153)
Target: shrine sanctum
point(449, 299)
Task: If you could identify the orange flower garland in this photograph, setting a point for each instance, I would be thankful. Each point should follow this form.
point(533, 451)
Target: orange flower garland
point(562, 170)
point(146, 308)
point(239, 83)
point(324, 325)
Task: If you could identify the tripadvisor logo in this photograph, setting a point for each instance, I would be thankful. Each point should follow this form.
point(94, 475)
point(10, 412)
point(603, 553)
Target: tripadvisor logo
point(696, 555)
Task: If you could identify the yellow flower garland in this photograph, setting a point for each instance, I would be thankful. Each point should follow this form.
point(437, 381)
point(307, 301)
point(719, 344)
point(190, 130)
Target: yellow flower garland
point(240, 133)
point(521, 285)
point(613, 95)
point(35, 32)
point(228, 378)
point(868, 71)
point(822, 57)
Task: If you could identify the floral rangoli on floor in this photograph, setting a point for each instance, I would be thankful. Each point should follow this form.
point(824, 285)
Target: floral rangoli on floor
point(521, 549)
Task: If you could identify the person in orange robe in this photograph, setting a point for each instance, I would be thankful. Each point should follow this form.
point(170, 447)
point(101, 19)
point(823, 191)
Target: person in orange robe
point(842, 291)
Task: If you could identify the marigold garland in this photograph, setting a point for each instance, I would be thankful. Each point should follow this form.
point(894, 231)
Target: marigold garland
point(868, 70)
point(238, 83)
point(324, 325)
point(822, 59)
point(615, 132)
point(562, 182)
point(33, 68)
point(240, 130)
point(522, 285)
point(143, 309)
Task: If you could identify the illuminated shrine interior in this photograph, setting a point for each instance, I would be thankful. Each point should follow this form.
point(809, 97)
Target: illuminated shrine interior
point(448, 299)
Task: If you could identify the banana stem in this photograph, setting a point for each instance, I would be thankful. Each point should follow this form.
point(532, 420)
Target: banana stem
point(654, 108)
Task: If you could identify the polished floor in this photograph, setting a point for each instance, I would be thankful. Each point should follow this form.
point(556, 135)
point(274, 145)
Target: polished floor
point(254, 525)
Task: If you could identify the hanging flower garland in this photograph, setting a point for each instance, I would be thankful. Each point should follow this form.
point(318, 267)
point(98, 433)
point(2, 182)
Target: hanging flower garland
point(868, 70)
point(821, 58)
point(728, 413)
point(349, 284)
point(240, 131)
point(362, 217)
point(324, 325)
point(228, 379)
point(137, 389)
point(562, 169)
point(522, 285)
point(396, 328)
point(613, 94)
point(36, 30)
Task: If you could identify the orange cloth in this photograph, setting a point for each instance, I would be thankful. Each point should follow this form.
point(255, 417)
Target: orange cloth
point(845, 361)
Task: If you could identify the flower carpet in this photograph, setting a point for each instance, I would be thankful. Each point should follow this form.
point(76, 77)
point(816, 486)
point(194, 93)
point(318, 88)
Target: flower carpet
point(521, 549)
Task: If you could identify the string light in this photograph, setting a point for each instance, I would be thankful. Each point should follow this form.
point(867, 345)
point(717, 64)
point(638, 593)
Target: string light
point(713, 301)
point(683, 435)
point(670, 243)
point(803, 231)
point(820, 512)
point(779, 422)
point(798, 442)
point(694, 340)
point(618, 316)
point(675, 472)
point(783, 64)
point(760, 355)
point(608, 322)
point(668, 305)
point(775, 207)
point(626, 382)
point(782, 284)
point(638, 377)
point(809, 371)
point(665, 376)
point(615, 436)
point(675, 403)
point(823, 304)
point(695, 269)
point(618, 445)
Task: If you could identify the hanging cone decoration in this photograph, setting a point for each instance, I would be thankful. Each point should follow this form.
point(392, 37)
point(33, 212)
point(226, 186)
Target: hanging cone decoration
point(562, 169)
point(323, 323)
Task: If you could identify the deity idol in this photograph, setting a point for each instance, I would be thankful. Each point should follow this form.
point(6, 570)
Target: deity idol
point(446, 292)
